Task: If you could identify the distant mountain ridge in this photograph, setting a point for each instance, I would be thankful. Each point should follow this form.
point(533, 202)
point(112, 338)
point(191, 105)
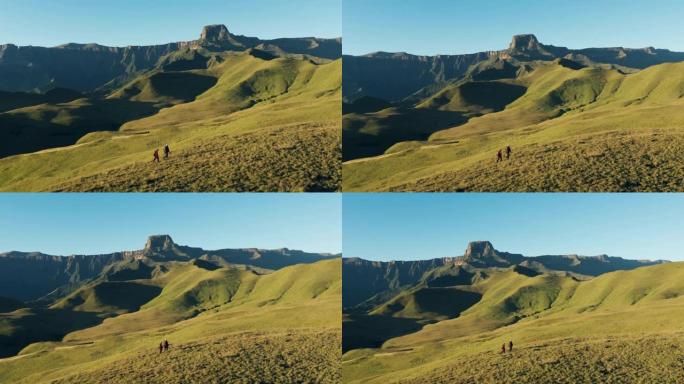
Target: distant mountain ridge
point(86, 67)
point(31, 275)
point(395, 76)
point(365, 279)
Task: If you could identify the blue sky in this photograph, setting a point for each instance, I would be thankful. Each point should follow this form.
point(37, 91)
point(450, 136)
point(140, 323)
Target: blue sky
point(420, 226)
point(466, 26)
point(63, 224)
point(147, 22)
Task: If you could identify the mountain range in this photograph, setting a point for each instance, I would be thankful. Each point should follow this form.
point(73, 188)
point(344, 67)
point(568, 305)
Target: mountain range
point(30, 276)
point(377, 280)
point(92, 67)
point(445, 320)
point(397, 76)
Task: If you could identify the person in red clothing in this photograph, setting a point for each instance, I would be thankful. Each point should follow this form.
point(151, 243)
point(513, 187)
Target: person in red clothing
point(156, 156)
point(499, 156)
point(503, 348)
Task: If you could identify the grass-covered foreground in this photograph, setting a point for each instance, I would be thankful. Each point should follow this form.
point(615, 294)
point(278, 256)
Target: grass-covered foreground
point(243, 122)
point(224, 325)
point(619, 359)
point(248, 357)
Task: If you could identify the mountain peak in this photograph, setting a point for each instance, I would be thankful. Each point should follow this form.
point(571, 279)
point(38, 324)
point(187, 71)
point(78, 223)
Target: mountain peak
point(526, 42)
point(215, 33)
point(159, 243)
point(479, 250)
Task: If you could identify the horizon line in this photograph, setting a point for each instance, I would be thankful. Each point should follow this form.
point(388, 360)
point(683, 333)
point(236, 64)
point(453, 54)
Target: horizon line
point(494, 50)
point(522, 254)
point(168, 42)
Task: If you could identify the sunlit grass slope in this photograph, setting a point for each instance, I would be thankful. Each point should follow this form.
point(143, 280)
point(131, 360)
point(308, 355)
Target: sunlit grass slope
point(619, 327)
point(589, 129)
point(243, 123)
point(224, 325)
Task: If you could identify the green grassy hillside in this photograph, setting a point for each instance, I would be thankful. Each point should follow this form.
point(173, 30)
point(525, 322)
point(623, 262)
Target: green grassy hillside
point(248, 357)
point(221, 323)
point(243, 123)
point(619, 325)
point(588, 129)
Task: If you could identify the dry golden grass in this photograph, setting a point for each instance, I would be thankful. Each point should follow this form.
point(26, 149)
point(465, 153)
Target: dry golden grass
point(305, 157)
point(639, 359)
point(612, 162)
point(295, 356)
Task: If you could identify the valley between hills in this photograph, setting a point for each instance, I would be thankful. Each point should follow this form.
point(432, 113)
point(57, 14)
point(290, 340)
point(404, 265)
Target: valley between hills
point(230, 315)
point(238, 114)
point(589, 120)
point(572, 319)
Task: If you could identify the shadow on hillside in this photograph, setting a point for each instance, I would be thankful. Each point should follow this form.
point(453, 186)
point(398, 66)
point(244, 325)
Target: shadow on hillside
point(56, 125)
point(27, 326)
point(371, 331)
point(366, 135)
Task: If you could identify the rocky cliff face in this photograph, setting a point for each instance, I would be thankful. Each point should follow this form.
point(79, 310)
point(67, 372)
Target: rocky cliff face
point(85, 67)
point(483, 254)
point(29, 276)
point(215, 33)
point(163, 247)
point(363, 279)
point(393, 77)
point(524, 43)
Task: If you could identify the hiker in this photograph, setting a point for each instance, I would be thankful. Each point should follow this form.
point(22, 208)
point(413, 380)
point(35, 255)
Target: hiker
point(161, 347)
point(167, 150)
point(510, 346)
point(166, 345)
point(503, 348)
point(499, 156)
point(156, 156)
point(508, 152)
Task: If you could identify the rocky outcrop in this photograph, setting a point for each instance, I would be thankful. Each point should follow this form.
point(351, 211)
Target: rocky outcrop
point(482, 254)
point(217, 33)
point(523, 43)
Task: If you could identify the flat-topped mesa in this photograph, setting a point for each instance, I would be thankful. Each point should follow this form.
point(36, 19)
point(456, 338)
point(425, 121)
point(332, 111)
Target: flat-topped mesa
point(215, 33)
point(483, 255)
point(159, 243)
point(479, 250)
point(526, 42)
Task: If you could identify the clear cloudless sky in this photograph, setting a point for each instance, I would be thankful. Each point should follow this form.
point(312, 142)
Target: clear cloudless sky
point(406, 226)
point(148, 22)
point(430, 27)
point(64, 224)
